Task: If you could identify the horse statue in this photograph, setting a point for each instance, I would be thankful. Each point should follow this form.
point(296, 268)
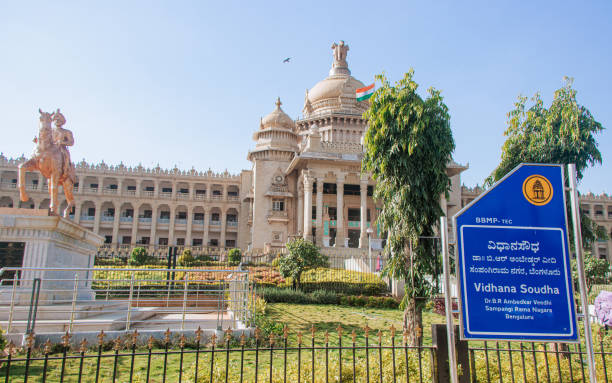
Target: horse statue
point(52, 160)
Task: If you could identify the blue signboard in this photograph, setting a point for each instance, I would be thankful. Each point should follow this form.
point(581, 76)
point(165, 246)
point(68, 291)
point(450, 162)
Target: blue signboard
point(513, 259)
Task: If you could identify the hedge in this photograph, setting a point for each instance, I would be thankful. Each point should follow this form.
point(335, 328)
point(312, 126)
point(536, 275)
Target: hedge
point(288, 295)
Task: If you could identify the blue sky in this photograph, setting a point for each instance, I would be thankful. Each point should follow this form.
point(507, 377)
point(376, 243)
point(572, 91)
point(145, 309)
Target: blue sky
point(185, 83)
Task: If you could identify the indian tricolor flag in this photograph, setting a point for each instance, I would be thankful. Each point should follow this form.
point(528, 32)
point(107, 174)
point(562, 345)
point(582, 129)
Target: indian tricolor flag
point(365, 92)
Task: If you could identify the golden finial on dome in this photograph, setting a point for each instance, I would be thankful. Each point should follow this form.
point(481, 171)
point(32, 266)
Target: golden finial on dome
point(278, 103)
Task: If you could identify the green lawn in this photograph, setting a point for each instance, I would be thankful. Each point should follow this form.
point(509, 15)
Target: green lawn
point(328, 317)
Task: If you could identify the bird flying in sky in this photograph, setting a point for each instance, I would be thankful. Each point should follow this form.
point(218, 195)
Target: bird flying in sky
point(287, 60)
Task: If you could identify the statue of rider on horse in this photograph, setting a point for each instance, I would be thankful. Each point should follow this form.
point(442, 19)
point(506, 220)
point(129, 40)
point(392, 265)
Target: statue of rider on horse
point(52, 159)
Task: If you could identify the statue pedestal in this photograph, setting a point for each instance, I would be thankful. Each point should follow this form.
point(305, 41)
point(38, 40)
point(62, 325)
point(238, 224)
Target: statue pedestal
point(52, 243)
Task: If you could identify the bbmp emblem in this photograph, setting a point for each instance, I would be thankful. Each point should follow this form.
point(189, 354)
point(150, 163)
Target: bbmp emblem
point(537, 190)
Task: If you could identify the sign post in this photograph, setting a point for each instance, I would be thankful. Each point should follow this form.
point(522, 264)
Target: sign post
point(513, 261)
point(571, 168)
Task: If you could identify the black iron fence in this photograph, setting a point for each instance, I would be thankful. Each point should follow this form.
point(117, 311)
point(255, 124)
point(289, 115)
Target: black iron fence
point(287, 357)
point(296, 357)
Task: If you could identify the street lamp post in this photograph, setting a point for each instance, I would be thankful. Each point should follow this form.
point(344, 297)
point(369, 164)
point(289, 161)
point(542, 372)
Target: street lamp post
point(369, 231)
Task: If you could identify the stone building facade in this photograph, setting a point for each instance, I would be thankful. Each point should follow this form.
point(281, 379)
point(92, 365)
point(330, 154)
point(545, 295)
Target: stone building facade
point(305, 180)
point(143, 206)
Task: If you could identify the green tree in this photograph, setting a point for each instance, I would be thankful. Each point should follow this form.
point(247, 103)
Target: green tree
point(407, 147)
point(596, 271)
point(302, 255)
point(562, 134)
point(186, 259)
point(138, 256)
point(234, 257)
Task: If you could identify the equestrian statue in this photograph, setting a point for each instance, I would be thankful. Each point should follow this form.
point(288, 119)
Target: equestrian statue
point(52, 159)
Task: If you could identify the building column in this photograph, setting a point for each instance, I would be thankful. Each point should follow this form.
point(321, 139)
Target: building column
point(116, 221)
point(319, 210)
point(189, 223)
point(171, 225)
point(41, 182)
point(223, 226)
point(206, 226)
point(340, 210)
point(191, 191)
point(363, 192)
point(174, 190)
point(100, 184)
point(97, 217)
point(120, 186)
point(156, 188)
point(224, 196)
point(307, 207)
point(300, 209)
point(154, 218)
point(77, 213)
point(208, 192)
point(135, 224)
point(138, 187)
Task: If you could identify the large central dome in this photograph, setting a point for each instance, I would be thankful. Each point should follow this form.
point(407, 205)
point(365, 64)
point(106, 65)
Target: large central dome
point(336, 93)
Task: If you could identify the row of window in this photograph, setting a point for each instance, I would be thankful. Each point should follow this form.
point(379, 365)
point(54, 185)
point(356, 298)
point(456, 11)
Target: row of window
point(349, 189)
point(110, 212)
point(231, 193)
point(163, 241)
point(353, 214)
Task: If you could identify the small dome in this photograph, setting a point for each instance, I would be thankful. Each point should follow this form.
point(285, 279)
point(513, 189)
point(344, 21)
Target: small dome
point(277, 119)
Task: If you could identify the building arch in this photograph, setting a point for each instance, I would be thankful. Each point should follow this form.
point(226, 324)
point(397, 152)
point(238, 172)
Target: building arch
point(6, 201)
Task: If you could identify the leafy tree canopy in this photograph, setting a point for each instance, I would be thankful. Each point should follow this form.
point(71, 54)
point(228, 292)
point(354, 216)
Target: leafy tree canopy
point(302, 255)
point(407, 147)
point(562, 134)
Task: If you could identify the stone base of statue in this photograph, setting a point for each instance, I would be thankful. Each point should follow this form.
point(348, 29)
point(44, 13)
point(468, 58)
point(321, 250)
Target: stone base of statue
point(45, 247)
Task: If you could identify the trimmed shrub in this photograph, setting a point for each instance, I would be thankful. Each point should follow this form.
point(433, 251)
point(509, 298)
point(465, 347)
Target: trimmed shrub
point(285, 295)
point(234, 257)
point(186, 259)
point(326, 297)
point(204, 258)
point(346, 288)
point(371, 302)
point(288, 295)
point(114, 261)
point(138, 256)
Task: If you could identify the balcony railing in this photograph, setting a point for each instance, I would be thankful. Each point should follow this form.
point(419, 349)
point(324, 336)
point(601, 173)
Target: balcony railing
point(215, 223)
point(110, 191)
point(163, 220)
point(87, 218)
point(148, 193)
point(198, 222)
point(144, 219)
point(127, 219)
point(130, 192)
point(200, 197)
point(108, 218)
point(182, 195)
point(181, 221)
point(165, 195)
point(9, 185)
point(232, 223)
